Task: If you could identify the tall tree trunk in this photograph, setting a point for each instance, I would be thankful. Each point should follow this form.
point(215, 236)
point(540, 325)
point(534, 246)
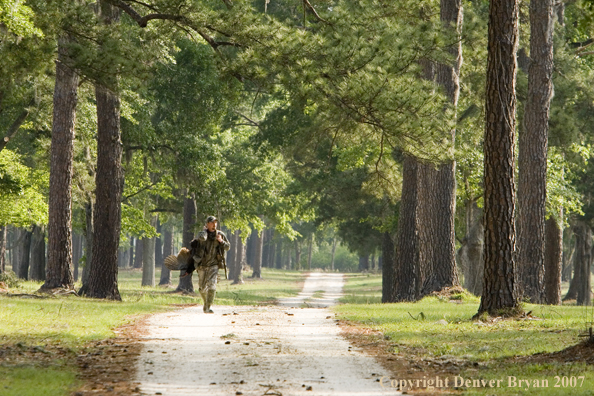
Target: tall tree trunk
point(138, 253)
point(500, 287)
point(59, 264)
point(334, 241)
point(3, 235)
point(239, 260)
point(167, 251)
point(583, 263)
point(258, 245)
point(231, 254)
point(131, 255)
point(297, 255)
point(438, 203)
point(148, 258)
point(25, 258)
point(532, 156)
point(553, 260)
point(406, 259)
point(38, 254)
point(470, 254)
point(364, 263)
point(279, 254)
point(185, 283)
point(76, 254)
point(159, 245)
point(309, 250)
point(103, 277)
point(89, 214)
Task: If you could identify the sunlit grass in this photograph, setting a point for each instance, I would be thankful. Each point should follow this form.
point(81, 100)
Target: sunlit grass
point(440, 327)
point(73, 322)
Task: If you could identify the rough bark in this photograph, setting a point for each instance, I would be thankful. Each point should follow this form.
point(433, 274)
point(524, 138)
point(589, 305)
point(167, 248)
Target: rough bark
point(438, 199)
point(387, 270)
point(185, 283)
point(500, 288)
point(470, 254)
point(167, 251)
point(25, 258)
point(406, 259)
point(37, 272)
point(553, 260)
point(59, 263)
point(532, 156)
point(258, 245)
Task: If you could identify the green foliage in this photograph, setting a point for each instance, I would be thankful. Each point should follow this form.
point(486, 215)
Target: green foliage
point(22, 201)
point(17, 18)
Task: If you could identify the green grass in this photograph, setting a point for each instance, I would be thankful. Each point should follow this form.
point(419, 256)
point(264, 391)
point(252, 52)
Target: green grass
point(413, 329)
point(73, 322)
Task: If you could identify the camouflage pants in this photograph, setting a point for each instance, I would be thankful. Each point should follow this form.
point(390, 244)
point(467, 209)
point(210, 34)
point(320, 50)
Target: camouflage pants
point(207, 278)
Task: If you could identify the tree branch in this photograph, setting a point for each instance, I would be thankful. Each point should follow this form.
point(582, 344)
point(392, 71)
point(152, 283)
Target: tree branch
point(139, 191)
point(14, 128)
point(308, 4)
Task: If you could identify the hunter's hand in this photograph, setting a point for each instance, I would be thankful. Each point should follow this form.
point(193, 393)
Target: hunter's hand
point(219, 238)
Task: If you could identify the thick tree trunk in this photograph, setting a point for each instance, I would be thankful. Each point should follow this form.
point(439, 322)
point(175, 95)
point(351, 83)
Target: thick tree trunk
point(185, 283)
point(438, 199)
point(231, 254)
point(500, 287)
point(38, 254)
point(470, 254)
point(167, 251)
point(258, 245)
point(532, 156)
point(25, 258)
point(148, 258)
point(406, 259)
point(138, 252)
point(387, 270)
point(363, 263)
point(3, 236)
point(109, 182)
point(553, 260)
point(59, 265)
point(583, 262)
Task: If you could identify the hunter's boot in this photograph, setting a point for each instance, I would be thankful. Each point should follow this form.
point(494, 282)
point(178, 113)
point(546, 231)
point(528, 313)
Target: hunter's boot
point(210, 295)
point(203, 295)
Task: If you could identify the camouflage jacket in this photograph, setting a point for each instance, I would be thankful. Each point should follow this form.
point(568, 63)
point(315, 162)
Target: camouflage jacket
point(207, 251)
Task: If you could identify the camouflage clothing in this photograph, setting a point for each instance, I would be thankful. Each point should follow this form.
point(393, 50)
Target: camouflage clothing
point(207, 253)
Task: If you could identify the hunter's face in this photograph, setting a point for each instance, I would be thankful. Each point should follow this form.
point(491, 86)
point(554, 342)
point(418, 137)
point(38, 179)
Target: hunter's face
point(211, 226)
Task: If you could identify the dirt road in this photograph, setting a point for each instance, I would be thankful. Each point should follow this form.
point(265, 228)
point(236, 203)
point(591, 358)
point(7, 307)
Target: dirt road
point(275, 350)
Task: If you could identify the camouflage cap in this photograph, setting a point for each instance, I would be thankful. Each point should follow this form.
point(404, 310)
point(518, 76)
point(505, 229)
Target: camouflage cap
point(210, 219)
